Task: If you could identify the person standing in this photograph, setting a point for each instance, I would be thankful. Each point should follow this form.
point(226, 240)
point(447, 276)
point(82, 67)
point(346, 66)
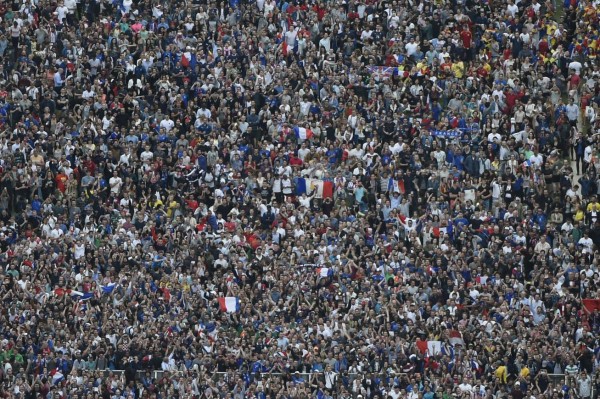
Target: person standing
point(584, 385)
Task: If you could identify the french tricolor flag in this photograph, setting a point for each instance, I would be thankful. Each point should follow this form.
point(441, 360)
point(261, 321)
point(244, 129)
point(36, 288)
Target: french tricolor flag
point(75, 295)
point(229, 304)
point(303, 133)
point(481, 280)
point(325, 272)
point(57, 377)
point(108, 289)
point(455, 338)
point(80, 296)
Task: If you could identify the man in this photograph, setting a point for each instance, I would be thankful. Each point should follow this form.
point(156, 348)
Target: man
point(572, 113)
point(115, 184)
point(588, 155)
point(584, 385)
point(59, 82)
point(330, 378)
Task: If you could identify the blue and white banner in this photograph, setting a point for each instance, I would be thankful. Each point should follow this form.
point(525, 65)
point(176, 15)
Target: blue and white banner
point(446, 133)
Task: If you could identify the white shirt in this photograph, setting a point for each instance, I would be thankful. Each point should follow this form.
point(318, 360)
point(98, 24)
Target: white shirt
point(572, 112)
point(115, 183)
point(492, 137)
point(286, 185)
point(146, 156)
point(537, 159)
point(304, 201)
point(290, 37)
point(512, 9)
point(56, 233)
point(58, 80)
point(325, 43)
point(587, 156)
point(88, 94)
point(411, 48)
point(302, 153)
point(79, 251)
point(496, 190)
point(465, 387)
point(71, 5)
point(167, 124)
point(587, 244)
point(124, 159)
point(62, 12)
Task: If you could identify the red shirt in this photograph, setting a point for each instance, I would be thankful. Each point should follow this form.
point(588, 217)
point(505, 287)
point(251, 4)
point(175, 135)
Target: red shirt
point(466, 37)
point(90, 165)
point(192, 204)
point(511, 98)
point(543, 47)
point(575, 79)
point(61, 182)
point(321, 12)
point(294, 161)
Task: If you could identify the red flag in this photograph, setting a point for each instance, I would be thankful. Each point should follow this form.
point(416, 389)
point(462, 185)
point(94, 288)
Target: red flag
point(184, 61)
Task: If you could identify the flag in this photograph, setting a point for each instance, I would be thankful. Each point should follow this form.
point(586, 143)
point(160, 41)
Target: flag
point(481, 280)
point(208, 327)
point(393, 185)
point(80, 306)
point(327, 189)
point(591, 304)
point(229, 304)
point(284, 47)
point(300, 186)
point(185, 59)
point(57, 377)
point(303, 133)
point(80, 296)
point(456, 338)
point(316, 187)
point(325, 272)
point(434, 348)
point(382, 71)
point(108, 289)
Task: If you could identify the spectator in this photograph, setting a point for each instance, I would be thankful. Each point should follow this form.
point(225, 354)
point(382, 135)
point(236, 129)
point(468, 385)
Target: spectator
point(299, 199)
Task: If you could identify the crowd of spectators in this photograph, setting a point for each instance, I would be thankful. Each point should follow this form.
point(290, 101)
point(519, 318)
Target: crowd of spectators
point(400, 198)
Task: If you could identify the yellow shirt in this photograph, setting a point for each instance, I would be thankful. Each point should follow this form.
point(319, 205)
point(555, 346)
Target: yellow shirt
point(579, 215)
point(501, 373)
point(458, 68)
point(593, 206)
point(172, 206)
point(524, 372)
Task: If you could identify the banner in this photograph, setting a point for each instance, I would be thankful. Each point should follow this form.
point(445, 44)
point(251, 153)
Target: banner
point(386, 72)
point(446, 133)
